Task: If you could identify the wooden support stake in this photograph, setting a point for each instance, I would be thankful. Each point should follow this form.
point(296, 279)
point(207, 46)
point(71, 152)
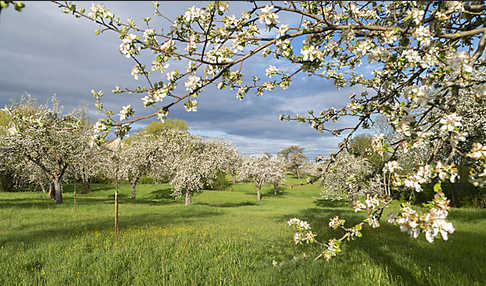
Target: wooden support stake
point(116, 211)
point(74, 196)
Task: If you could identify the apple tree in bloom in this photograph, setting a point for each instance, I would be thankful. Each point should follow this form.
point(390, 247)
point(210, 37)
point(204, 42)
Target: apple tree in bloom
point(427, 59)
point(44, 137)
point(136, 159)
point(198, 164)
point(277, 172)
point(262, 169)
point(346, 178)
point(233, 158)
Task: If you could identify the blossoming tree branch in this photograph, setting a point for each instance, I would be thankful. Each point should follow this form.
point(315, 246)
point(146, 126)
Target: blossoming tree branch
point(428, 76)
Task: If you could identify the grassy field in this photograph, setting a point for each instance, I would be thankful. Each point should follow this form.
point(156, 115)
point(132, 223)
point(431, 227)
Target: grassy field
point(224, 238)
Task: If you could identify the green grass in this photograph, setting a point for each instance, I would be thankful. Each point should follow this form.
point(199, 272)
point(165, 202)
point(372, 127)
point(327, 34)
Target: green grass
point(224, 238)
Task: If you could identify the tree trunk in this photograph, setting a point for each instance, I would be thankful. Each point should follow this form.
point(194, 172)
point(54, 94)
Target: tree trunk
point(43, 188)
point(188, 197)
point(275, 189)
point(51, 191)
point(58, 191)
point(259, 193)
point(453, 195)
point(298, 174)
point(87, 187)
point(134, 193)
point(234, 179)
point(116, 212)
point(74, 195)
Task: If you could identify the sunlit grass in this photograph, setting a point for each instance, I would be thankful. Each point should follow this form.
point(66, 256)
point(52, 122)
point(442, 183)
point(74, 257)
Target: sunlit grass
point(224, 238)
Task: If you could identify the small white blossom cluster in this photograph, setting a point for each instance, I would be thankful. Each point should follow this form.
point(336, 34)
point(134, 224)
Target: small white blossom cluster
point(128, 46)
point(267, 16)
point(126, 112)
point(303, 231)
point(99, 10)
point(433, 222)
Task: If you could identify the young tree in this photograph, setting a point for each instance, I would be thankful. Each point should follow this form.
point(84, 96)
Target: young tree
point(137, 158)
point(44, 137)
point(277, 173)
point(262, 169)
point(197, 165)
point(426, 57)
point(294, 158)
point(234, 160)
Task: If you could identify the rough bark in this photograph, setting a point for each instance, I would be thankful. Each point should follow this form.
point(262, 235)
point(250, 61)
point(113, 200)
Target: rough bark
point(51, 191)
point(58, 191)
point(188, 198)
point(43, 188)
point(259, 193)
point(133, 185)
point(275, 189)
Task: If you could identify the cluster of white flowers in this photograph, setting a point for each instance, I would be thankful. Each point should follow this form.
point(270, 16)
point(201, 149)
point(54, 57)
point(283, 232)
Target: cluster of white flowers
point(412, 56)
point(303, 231)
point(193, 82)
point(126, 112)
point(422, 34)
point(99, 10)
point(267, 16)
point(271, 71)
point(433, 222)
point(128, 47)
point(310, 53)
point(391, 166)
point(450, 122)
point(148, 34)
point(478, 152)
point(135, 72)
point(192, 14)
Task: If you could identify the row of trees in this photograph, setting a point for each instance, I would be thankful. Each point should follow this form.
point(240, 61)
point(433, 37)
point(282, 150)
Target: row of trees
point(40, 145)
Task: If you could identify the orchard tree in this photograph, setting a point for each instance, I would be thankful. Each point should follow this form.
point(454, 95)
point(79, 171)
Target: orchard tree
point(234, 159)
point(294, 158)
point(157, 127)
point(137, 157)
point(277, 172)
point(196, 166)
point(346, 179)
point(262, 169)
point(427, 59)
point(44, 137)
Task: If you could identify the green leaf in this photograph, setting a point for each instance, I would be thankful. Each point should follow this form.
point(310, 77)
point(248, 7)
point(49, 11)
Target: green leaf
point(437, 188)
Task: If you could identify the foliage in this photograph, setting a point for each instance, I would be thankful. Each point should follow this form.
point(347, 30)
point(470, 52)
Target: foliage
point(294, 158)
point(157, 127)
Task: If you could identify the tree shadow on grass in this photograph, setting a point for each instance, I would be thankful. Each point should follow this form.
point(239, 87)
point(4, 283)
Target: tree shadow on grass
point(467, 215)
point(331, 203)
point(227, 205)
point(398, 254)
point(60, 231)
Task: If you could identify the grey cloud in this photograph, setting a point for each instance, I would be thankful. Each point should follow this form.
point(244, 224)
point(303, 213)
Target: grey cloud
point(44, 51)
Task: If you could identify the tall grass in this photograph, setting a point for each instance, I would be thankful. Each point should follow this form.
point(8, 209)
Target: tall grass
point(224, 238)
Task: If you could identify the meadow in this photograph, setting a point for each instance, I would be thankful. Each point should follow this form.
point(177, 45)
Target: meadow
point(225, 238)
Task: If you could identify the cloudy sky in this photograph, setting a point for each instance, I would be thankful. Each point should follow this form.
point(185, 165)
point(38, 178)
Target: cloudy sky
point(45, 52)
